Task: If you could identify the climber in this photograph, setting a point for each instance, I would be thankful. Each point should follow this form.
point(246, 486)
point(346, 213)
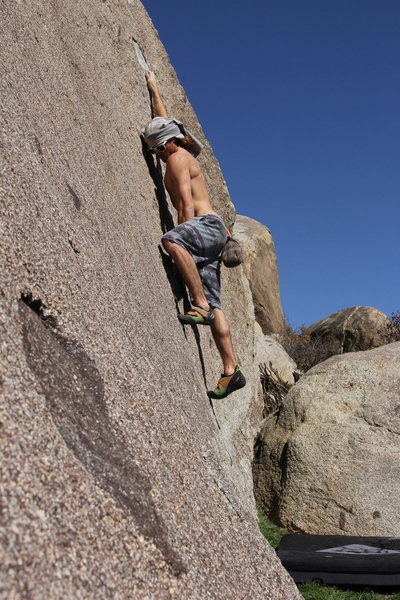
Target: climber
point(195, 245)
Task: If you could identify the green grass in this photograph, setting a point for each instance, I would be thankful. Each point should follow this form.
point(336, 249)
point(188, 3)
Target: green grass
point(270, 531)
point(316, 591)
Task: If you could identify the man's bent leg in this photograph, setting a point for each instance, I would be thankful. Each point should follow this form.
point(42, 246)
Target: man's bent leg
point(187, 268)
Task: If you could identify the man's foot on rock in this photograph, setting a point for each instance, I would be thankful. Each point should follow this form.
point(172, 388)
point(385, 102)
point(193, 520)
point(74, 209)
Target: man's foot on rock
point(197, 316)
point(228, 384)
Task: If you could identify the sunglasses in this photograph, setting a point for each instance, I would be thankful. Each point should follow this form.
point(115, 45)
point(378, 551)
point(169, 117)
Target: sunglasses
point(159, 148)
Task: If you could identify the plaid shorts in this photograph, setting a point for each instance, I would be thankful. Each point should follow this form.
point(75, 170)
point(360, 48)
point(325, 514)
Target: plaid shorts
point(204, 238)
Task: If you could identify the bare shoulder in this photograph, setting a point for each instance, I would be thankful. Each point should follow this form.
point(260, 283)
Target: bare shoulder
point(178, 161)
point(179, 157)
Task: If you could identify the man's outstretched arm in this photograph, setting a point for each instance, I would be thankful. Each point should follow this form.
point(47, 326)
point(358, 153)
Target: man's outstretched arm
point(159, 109)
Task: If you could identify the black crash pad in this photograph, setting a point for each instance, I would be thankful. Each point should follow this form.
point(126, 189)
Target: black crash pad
point(341, 560)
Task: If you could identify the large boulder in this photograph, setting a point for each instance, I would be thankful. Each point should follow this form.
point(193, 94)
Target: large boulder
point(350, 330)
point(261, 269)
point(329, 462)
point(119, 478)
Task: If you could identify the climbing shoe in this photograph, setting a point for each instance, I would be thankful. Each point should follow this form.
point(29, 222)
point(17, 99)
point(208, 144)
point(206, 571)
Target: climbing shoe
point(228, 384)
point(197, 316)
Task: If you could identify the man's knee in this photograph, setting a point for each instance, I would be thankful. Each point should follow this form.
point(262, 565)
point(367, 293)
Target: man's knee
point(221, 323)
point(173, 248)
point(167, 244)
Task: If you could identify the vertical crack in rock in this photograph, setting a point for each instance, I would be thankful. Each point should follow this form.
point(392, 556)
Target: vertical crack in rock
point(77, 201)
point(38, 147)
point(140, 56)
point(74, 392)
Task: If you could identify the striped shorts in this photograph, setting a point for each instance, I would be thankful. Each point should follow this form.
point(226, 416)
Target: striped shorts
point(204, 238)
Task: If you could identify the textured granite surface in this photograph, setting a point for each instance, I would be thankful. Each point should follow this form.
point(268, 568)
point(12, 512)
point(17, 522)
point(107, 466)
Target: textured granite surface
point(119, 478)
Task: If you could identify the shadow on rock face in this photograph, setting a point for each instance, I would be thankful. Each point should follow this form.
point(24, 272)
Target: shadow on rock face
point(166, 220)
point(174, 279)
point(74, 392)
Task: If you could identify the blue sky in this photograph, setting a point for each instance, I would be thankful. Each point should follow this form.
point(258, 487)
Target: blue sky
point(300, 100)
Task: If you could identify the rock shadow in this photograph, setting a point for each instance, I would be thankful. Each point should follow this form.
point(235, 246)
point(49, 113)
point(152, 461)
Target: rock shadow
point(74, 392)
point(154, 167)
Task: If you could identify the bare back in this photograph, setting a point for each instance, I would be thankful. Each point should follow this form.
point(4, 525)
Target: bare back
point(186, 185)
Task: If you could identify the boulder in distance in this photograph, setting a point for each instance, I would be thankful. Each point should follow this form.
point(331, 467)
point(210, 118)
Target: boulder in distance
point(330, 461)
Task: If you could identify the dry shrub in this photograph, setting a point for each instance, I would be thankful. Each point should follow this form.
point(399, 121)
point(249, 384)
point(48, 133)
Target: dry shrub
point(391, 333)
point(306, 352)
point(273, 387)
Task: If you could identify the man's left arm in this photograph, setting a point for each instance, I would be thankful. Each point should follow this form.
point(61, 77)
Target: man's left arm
point(159, 109)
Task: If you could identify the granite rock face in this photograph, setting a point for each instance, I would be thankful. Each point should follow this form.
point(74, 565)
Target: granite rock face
point(330, 460)
point(350, 330)
point(119, 478)
point(261, 269)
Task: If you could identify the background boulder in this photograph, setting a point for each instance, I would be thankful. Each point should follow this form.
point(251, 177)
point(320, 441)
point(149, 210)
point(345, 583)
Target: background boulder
point(329, 461)
point(261, 269)
point(350, 330)
point(119, 478)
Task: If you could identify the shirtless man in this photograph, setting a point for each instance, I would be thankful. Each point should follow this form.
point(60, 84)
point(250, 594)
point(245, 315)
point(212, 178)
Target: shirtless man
point(195, 245)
